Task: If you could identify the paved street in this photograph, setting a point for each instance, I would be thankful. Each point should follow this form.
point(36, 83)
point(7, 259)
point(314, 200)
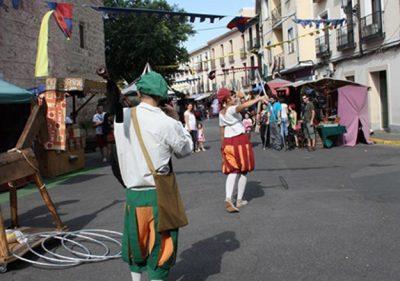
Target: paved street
point(338, 219)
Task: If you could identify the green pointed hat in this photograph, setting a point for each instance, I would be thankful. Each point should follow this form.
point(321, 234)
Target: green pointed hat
point(152, 84)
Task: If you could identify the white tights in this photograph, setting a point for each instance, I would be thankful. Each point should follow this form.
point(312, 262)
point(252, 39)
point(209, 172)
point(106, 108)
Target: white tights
point(230, 185)
point(138, 276)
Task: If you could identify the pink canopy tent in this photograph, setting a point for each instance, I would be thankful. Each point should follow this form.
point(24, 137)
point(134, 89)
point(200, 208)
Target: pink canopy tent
point(352, 109)
point(278, 85)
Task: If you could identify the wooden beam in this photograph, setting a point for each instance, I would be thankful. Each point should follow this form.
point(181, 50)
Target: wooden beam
point(36, 122)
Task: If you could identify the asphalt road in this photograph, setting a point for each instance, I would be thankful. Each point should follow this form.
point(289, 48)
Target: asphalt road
point(328, 215)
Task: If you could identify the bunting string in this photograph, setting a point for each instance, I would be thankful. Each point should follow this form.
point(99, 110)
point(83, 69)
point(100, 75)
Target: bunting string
point(116, 11)
point(318, 22)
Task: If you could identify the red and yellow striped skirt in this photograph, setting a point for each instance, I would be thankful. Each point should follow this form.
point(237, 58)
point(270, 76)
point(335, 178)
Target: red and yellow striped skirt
point(237, 155)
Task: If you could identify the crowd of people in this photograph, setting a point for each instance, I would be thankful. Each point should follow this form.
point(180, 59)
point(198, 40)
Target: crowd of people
point(281, 125)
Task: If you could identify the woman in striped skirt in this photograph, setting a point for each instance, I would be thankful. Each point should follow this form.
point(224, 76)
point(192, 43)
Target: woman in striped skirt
point(237, 153)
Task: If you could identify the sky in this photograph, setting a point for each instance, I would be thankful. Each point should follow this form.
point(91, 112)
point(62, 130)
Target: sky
point(230, 8)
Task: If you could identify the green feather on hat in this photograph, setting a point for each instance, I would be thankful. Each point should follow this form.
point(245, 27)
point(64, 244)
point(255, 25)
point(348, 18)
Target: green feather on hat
point(152, 84)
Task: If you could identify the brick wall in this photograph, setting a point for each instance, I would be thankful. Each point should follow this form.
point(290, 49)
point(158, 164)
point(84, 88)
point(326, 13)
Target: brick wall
point(19, 30)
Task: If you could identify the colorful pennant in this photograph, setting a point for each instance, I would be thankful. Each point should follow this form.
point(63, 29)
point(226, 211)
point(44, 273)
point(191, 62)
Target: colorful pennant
point(238, 22)
point(63, 16)
point(317, 23)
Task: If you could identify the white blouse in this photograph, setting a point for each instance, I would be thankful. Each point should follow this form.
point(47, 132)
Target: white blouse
point(232, 121)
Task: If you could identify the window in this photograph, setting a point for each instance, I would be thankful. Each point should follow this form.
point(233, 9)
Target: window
point(82, 35)
point(350, 78)
point(291, 41)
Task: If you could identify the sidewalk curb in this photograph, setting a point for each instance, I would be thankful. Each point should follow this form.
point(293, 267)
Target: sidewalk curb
point(383, 141)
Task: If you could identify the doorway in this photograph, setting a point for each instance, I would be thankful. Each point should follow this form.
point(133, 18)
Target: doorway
point(384, 100)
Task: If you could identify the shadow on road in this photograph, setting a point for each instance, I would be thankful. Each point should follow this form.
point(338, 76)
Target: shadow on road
point(255, 189)
point(204, 258)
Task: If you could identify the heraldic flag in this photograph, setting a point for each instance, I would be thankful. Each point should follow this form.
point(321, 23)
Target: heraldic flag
point(63, 15)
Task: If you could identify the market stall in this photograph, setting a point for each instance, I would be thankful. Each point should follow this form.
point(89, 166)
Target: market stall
point(64, 150)
point(342, 107)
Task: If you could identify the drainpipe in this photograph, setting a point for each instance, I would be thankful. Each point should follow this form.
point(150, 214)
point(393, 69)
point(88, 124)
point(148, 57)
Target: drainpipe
point(358, 15)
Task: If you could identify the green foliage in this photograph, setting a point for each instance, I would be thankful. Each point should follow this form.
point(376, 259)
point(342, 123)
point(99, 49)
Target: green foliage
point(132, 41)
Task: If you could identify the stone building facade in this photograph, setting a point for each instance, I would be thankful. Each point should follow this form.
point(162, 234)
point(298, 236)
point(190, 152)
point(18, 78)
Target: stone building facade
point(77, 57)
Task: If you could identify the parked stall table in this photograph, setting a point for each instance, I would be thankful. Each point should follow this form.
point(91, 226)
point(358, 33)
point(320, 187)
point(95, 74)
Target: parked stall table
point(328, 131)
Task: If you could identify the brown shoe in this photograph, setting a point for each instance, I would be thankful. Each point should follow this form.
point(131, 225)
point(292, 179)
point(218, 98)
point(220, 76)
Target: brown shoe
point(230, 208)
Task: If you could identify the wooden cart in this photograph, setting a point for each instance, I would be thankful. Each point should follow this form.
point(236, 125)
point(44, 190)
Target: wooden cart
point(18, 163)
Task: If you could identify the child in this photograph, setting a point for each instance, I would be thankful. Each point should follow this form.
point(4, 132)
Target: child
point(247, 123)
point(200, 137)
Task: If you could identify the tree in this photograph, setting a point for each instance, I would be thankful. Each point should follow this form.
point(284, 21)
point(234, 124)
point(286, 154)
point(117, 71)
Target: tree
point(132, 41)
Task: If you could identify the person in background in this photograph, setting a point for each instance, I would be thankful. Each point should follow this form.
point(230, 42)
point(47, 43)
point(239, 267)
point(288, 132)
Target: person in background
point(237, 152)
point(248, 124)
point(274, 121)
point(262, 119)
point(308, 122)
point(98, 120)
point(190, 124)
point(201, 138)
point(293, 126)
point(108, 132)
point(284, 122)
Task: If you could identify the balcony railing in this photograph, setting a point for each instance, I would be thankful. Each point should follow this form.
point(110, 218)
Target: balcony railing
point(243, 54)
point(222, 62)
point(322, 46)
point(345, 38)
point(199, 67)
point(371, 26)
point(276, 15)
point(205, 66)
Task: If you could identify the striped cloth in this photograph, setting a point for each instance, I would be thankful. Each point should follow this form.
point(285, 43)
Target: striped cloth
point(237, 155)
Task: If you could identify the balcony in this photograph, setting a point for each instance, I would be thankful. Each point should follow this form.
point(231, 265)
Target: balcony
point(231, 59)
point(322, 46)
point(243, 54)
point(205, 66)
point(345, 38)
point(199, 67)
point(222, 62)
point(276, 15)
point(371, 26)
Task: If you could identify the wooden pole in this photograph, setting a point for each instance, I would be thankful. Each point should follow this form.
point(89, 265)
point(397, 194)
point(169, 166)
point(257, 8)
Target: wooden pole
point(4, 252)
point(13, 206)
point(46, 198)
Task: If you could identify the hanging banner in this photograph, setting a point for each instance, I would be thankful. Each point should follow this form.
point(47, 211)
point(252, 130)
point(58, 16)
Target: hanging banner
point(55, 120)
point(42, 57)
